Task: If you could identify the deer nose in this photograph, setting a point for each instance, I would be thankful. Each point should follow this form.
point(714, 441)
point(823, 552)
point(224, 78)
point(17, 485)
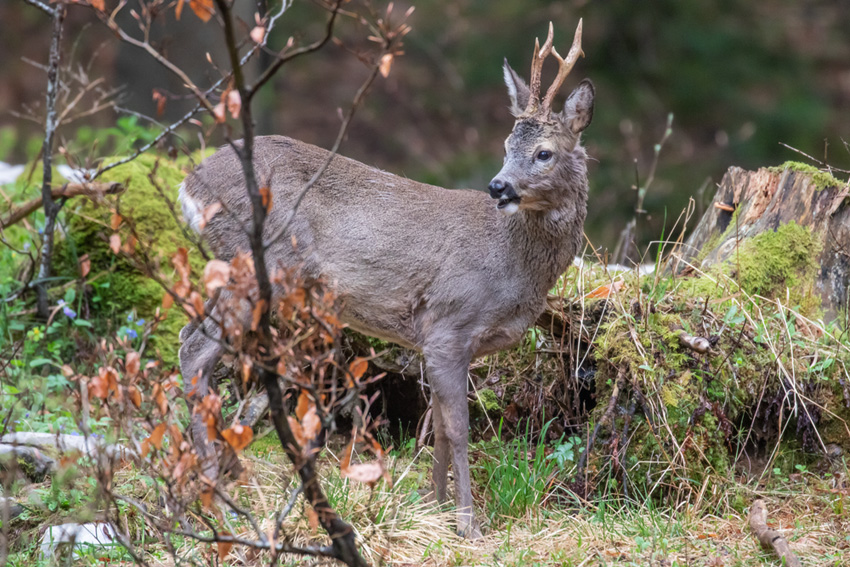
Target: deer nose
point(498, 188)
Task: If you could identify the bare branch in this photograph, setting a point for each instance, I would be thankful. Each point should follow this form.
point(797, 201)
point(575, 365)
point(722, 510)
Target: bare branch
point(41, 6)
point(18, 213)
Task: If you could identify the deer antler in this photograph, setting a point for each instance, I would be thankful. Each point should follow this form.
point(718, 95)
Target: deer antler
point(564, 68)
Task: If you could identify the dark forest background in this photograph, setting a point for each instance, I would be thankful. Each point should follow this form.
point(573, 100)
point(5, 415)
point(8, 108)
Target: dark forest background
point(741, 78)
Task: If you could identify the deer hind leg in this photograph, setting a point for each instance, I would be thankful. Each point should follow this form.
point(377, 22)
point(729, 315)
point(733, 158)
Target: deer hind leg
point(442, 452)
point(448, 378)
point(203, 345)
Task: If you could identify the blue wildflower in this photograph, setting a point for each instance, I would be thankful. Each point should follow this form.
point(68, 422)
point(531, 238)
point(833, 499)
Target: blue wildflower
point(129, 317)
point(140, 322)
point(132, 333)
point(70, 313)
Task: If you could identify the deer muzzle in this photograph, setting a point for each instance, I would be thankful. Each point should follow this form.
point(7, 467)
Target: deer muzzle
point(507, 196)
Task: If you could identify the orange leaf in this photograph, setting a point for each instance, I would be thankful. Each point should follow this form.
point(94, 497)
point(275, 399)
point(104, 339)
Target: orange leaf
point(313, 520)
point(259, 308)
point(207, 499)
point(115, 221)
point(223, 547)
point(129, 245)
point(238, 436)
point(605, 291)
point(216, 275)
point(358, 367)
point(386, 63)
point(167, 301)
point(132, 363)
point(178, 11)
point(297, 432)
point(98, 5)
point(266, 196)
point(304, 404)
point(160, 100)
point(85, 265)
point(156, 435)
point(202, 8)
point(160, 399)
point(135, 396)
point(115, 243)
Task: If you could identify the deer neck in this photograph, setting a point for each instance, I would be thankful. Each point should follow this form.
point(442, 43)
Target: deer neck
point(547, 241)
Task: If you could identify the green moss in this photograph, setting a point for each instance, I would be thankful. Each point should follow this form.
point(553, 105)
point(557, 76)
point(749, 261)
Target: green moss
point(122, 287)
point(821, 179)
point(768, 264)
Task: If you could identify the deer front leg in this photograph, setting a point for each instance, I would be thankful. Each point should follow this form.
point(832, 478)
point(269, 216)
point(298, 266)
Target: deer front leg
point(448, 380)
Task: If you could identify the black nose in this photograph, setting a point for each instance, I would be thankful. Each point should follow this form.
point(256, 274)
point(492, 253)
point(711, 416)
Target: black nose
point(498, 188)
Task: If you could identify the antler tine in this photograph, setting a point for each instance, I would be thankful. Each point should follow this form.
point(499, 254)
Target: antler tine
point(537, 68)
point(564, 68)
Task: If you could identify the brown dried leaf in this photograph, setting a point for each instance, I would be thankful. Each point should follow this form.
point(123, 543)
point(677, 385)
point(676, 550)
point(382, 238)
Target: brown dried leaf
point(223, 547)
point(160, 398)
point(202, 8)
point(257, 314)
point(132, 363)
point(196, 305)
point(98, 5)
point(129, 245)
point(313, 520)
point(115, 243)
point(368, 473)
point(85, 265)
point(605, 291)
point(167, 301)
point(219, 113)
point(115, 221)
point(160, 100)
point(257, 34)
point(234, 103)
point(266, 196)
point(386, 63)
point(216, 275)
point(311, 424)
point(178, 11)
point(135, 396)
point(238, 436)
point(297, 432)
point(209, 212)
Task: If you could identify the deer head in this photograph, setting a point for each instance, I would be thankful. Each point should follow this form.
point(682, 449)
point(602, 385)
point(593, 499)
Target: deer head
point(543, 157)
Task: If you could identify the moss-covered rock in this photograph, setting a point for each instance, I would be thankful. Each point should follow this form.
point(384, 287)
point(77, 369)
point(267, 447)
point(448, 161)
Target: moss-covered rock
point(151, 183)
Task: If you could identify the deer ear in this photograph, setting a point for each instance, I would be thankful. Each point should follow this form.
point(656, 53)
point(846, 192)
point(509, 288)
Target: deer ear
point(578, 110)
point(517, 90)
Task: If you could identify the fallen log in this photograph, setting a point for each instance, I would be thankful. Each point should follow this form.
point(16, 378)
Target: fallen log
point(751, 204)
point(92, 190)
point(769, 539)
point(28, 460)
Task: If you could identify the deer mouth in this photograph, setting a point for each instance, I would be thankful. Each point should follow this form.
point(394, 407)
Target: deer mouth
point(509, 204)
point(506, 201)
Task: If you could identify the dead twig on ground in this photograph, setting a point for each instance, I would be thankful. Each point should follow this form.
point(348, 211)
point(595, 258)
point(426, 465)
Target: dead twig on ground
point(768, 538)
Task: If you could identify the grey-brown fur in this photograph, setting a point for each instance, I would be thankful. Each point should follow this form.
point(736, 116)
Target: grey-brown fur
point(442, 271)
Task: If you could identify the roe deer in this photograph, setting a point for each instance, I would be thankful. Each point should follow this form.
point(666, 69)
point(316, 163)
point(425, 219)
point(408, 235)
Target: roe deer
point(447, 272)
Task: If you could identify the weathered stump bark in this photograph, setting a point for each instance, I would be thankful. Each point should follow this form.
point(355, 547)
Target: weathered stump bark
point(750, 203)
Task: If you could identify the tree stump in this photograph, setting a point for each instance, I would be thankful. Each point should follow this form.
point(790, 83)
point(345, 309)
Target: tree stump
point(788, 198)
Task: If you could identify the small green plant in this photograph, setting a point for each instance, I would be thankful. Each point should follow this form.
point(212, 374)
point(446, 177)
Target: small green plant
point(519, 476)
point(566, 451)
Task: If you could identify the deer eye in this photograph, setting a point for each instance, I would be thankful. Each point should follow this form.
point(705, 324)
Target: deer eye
point(544, 155)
